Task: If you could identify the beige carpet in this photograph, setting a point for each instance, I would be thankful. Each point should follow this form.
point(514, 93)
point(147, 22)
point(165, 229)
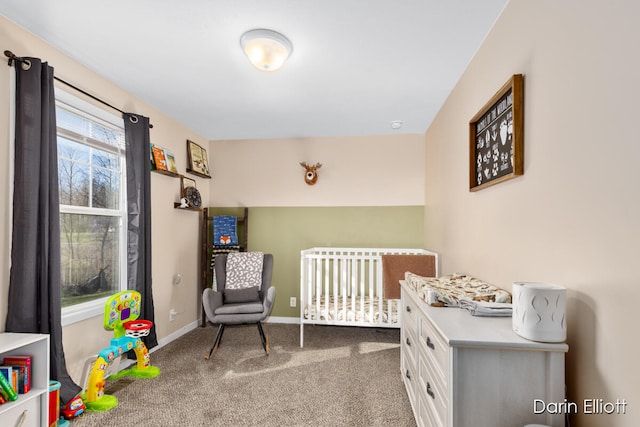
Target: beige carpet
point(344, 376)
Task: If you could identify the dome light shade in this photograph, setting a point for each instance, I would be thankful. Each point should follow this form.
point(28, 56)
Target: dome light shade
point(266, 49)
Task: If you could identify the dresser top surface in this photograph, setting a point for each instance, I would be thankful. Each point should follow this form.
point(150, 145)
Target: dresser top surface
point(460, 329)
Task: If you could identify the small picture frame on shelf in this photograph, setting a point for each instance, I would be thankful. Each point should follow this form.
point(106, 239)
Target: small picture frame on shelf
point(186, 183)
point(197, 158)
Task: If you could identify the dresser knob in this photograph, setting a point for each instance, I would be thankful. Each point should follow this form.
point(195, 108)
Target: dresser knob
point(408, 375)
point(408, 342)
point(408, 309)
point(430, 344)
point(430, 391)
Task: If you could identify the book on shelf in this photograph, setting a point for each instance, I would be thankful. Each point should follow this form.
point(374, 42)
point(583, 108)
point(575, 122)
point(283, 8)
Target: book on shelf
point(11, 375)
point(23, 379)
point(170, 159)
point(21, 364)
point(159, 157)
point(152, 160)
point(7, 389)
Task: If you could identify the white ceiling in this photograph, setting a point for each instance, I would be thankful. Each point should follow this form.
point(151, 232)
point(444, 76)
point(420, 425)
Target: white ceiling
point(357, 65)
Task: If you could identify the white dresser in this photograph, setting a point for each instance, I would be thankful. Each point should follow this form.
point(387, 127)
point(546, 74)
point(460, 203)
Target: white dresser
point(462, 370)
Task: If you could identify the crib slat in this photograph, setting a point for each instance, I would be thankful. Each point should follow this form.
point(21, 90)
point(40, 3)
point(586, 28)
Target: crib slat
point(371, 291)
point(318, 281)
point(361, 313)
point(379, 287)
point(327, 284)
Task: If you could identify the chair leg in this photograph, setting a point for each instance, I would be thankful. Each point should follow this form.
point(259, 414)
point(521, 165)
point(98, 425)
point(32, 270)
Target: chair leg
point(265, 339)
point(216, 343)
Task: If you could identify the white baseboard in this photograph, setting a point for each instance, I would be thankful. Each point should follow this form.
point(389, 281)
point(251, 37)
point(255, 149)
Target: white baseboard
point(293, 320)
point(174, 336)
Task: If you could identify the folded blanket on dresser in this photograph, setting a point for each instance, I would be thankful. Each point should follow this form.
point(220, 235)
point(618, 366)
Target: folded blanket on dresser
point(487, 309)
point(447, 291)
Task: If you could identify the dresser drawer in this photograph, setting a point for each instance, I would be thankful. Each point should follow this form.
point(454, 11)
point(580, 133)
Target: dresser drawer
point(409, 343)
point(435, 348)
point(434, 392)
point(408, 370)
point(26, 414)
point(410, 316)
point(426, 413)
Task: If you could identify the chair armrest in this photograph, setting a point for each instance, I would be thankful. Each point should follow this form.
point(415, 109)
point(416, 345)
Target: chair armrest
point(211, 301)
point(268, 300)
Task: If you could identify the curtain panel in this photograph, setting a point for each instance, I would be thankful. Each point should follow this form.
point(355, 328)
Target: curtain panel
point(34, 304)
point(139, 217)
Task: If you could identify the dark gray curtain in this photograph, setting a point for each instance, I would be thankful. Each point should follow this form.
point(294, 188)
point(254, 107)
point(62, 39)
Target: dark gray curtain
point(136, 129)
point(35, 278)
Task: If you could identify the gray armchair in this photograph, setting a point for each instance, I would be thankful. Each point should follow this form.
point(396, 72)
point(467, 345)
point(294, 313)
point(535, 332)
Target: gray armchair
point(239, 306)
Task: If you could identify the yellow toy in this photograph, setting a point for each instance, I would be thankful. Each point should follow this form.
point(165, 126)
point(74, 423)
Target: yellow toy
point(121, 313)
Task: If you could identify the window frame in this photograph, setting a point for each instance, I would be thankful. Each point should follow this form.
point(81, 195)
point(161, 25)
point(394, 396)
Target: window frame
point(86, 310)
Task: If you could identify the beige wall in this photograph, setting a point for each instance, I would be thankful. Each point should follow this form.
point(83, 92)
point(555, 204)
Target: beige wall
point(573, 218)
point(356, 171)
point(175, 233)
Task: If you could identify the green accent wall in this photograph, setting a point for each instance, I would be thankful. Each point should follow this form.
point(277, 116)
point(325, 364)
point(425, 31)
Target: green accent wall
point(285, 231)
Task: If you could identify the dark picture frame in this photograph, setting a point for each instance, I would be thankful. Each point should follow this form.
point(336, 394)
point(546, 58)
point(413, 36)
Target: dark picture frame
point(198, 161)
point(496, 137)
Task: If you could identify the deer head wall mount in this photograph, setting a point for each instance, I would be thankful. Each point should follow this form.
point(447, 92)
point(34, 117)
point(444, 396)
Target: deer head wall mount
point(311, 174)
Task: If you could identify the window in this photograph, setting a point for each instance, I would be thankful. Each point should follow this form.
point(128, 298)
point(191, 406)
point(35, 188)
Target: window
point(91, 175)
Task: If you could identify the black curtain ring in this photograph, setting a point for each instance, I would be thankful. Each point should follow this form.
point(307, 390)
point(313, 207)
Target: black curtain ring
point(133, 119)
point(25, 64)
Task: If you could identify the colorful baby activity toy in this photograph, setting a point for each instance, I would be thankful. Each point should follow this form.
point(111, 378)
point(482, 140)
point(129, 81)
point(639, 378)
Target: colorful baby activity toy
point(120, 315)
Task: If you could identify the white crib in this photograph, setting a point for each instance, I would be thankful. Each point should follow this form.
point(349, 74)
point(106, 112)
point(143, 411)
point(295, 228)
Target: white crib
point(344, 287)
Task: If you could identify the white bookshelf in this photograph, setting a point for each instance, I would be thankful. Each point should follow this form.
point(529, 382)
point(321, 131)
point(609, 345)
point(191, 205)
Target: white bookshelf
point(32, 409)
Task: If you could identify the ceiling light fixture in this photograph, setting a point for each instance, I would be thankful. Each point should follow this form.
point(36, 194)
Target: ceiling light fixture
point(266, 49)
point(396, 124)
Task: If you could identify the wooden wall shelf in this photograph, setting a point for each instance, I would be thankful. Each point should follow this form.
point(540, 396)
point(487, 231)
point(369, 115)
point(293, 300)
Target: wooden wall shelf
point(165, 172)
point(177, 206)
point(201, 175)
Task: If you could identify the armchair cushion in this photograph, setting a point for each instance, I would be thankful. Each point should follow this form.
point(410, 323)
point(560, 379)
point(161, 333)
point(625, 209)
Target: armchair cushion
point(232, 296)
point(246, 308)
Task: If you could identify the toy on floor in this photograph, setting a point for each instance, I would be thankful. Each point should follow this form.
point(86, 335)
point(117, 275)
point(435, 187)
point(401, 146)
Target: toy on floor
point(73, 409)
point(121, 313)
point(55, 419)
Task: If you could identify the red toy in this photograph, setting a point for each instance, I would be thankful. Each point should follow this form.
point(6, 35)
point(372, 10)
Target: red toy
point(73, 409)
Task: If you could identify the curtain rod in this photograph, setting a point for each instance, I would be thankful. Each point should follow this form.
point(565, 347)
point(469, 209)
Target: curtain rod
point(12, 57)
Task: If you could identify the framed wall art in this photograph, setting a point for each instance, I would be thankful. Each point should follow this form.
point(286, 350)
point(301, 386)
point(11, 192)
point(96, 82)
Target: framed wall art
point(496, 137)
point(197, 158)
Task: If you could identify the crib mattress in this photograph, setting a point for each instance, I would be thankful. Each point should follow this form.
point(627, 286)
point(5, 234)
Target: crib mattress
point(348, 312)
point(447, 291)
